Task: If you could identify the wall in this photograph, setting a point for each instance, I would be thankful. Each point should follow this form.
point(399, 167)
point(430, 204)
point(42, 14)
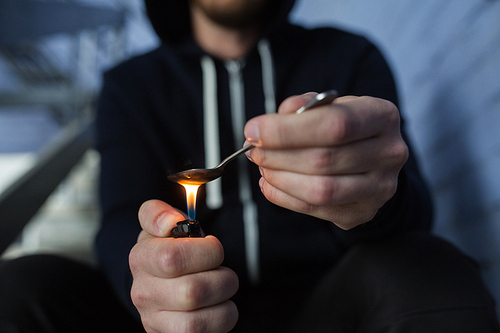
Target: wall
point(446, 56)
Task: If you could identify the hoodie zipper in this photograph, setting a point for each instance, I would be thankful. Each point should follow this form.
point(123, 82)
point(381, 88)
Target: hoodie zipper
point(250, 213)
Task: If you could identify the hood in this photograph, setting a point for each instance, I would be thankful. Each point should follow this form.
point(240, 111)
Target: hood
point(171, 21)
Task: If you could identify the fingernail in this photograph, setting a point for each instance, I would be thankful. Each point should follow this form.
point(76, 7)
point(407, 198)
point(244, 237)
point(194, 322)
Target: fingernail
point(261, 169)
point(162, 224)
point(309, 95)
point(247, 153)
point(252, 133)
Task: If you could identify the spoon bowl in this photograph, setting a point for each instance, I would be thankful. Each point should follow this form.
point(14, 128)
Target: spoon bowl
point(202, 176)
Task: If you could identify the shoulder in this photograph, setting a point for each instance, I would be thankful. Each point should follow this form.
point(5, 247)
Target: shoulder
point(139, 77)
point(348, 61)
point(137, 66)
point(322, 44)
point(326, 38)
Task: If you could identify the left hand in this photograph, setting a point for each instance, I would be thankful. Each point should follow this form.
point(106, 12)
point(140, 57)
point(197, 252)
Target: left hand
point(179, 285)
point(338, 162)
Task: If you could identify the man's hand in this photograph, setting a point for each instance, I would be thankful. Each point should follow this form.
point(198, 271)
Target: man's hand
point(179, 285)
point(338, 162)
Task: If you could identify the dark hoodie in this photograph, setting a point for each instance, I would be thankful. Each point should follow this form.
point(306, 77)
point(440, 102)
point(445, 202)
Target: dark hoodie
point(177, 107)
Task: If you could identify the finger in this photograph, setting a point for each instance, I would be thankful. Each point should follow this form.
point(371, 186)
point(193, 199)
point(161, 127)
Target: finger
point(293, 103)
point(158, 218)
point(218, 318)
point(356, 157)
point(342, 122)
point(345, 216)
point(171, 257)
point(185, 293)
point(144, 235)
point(323, 190)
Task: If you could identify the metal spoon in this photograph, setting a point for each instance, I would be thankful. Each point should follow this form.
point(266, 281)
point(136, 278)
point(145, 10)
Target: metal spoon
point(202, 176)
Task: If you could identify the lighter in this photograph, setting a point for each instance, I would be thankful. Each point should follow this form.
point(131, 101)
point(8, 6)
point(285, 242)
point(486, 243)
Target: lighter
point(187, 228)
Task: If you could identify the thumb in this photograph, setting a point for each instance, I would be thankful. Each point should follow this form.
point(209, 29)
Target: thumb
point(158, 218)
point(293, 103)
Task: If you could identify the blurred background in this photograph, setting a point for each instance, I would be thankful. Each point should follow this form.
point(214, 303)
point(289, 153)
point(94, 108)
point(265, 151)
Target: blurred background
point(445, 55)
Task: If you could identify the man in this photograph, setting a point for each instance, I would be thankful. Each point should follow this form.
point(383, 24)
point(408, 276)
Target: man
point(319, 237)
point(335, 170)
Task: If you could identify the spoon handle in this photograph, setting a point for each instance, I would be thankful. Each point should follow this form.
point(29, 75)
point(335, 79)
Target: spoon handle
point(320, 99)
point(323, 98)
point(234, 155)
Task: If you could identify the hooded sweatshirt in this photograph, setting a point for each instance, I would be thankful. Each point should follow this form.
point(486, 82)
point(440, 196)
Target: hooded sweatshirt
point(178, 107)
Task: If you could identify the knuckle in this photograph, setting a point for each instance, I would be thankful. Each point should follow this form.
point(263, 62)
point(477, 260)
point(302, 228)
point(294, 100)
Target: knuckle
point(322, 159)
point(337, 127)
point(324, 192)
point(392, 184)
point(230, 316)
point(389, 111)
point(233, 277)
point(216, 251)
point(395, 153)
point(393, 113)
point(400, 152)
point(191, 294)
point(387, 187)
point(138, 297)
point(133, 259)
point(189, 323)
point(170, 260)
point(148, 325)
point(390, 189)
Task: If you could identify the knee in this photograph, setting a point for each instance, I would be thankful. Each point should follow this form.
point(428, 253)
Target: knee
point(401, 277)
point(26, 281)
point(418, 270)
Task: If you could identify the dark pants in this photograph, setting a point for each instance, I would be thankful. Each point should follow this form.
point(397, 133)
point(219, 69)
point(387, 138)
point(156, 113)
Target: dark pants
point(43, 293)
point(412, 283)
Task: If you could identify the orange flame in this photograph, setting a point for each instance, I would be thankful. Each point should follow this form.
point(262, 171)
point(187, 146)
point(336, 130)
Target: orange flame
point(191, 193)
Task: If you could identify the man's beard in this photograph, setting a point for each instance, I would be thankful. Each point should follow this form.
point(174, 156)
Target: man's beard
point(237, 14)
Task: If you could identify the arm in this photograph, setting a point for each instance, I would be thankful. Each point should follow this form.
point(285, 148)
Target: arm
point(367, 74)
point(411, 206)
point(170, 284)
point(130, 174)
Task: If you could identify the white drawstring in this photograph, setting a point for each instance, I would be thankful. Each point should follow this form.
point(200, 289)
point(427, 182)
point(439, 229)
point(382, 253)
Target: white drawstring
point(211, 130)
point(212, 144)
point(267, 75)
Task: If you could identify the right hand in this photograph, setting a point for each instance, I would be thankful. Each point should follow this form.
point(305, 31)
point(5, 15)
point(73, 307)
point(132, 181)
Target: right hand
point(338, 162)
point(179, 285)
